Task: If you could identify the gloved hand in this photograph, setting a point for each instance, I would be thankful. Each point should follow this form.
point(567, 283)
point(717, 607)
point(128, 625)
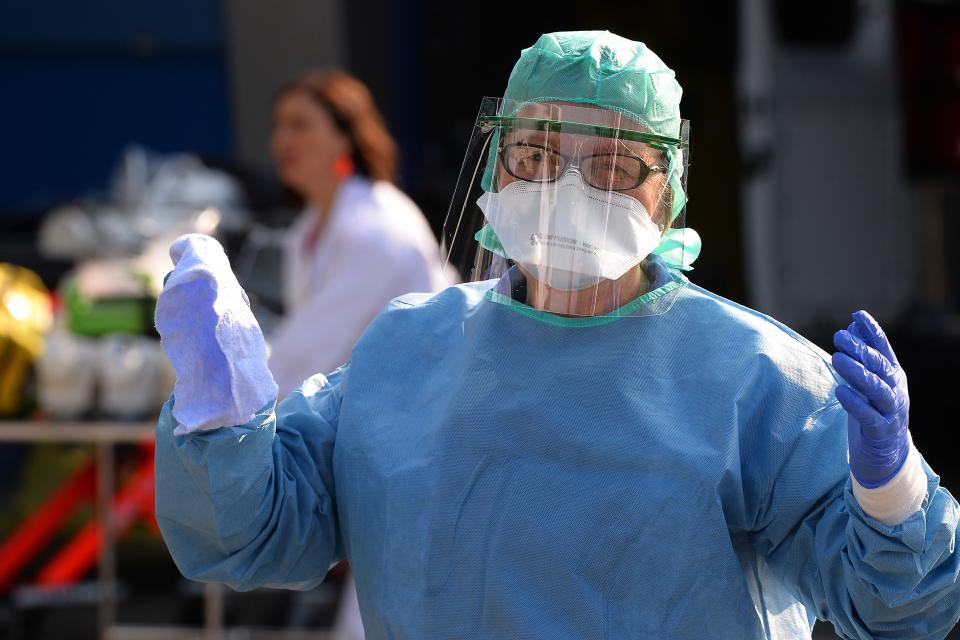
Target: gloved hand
point(876, 401)
point(212, 339)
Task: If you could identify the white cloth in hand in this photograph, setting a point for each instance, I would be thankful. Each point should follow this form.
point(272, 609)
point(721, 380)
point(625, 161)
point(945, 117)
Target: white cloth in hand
point(212, 339)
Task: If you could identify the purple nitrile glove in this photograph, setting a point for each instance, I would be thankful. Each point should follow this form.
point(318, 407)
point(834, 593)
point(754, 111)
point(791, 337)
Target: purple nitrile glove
point(876, 400)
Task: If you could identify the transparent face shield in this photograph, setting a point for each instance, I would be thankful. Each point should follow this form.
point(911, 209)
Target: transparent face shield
point(573, 209)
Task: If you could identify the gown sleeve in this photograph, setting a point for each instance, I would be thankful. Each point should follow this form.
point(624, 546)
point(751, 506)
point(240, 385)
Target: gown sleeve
point(871, 580)
point(253, 505)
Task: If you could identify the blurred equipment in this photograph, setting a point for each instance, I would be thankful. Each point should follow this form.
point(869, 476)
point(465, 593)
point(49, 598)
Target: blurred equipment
point(66, 376)
point(92, 544)
point(152, 196)
point(104, 358)
point(25, 316)
point(133, 501)
point(108, 296)
point(134, 375)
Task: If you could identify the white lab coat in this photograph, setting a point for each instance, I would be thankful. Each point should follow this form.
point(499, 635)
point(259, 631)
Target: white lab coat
point(375, 246)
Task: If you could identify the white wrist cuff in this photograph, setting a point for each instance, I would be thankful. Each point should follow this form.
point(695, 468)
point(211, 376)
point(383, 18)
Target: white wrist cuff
point(898, 499)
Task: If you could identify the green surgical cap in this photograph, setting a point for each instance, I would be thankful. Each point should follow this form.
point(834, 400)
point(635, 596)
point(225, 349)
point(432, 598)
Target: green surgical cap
point(599, 68)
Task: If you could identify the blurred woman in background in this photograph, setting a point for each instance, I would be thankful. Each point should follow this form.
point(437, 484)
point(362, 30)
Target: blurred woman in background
point(359, 243)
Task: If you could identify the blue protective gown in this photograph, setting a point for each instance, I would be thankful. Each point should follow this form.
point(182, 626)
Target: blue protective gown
point(490, 475)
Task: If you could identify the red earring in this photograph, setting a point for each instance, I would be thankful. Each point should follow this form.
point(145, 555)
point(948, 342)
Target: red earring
point(343, 167)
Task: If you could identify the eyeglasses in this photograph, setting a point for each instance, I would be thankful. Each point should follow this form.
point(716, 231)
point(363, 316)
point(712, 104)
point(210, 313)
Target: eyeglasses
point(607, 171)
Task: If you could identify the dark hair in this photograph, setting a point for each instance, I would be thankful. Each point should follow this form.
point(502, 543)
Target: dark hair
point(349, 103)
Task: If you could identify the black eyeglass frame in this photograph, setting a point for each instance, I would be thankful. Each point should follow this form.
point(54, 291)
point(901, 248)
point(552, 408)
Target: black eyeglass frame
point(504, 148)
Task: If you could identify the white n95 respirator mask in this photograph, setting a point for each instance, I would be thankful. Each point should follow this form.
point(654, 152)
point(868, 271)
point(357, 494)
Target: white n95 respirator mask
point(568, 234)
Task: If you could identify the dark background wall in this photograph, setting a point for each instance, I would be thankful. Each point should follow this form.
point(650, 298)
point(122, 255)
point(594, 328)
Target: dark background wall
point(80, 81)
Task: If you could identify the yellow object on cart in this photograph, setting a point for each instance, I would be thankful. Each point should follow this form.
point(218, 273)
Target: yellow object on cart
point(25, 318)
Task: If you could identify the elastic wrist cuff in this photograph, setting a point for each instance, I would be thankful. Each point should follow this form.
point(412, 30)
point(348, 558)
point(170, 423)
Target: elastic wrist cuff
point(898, 499)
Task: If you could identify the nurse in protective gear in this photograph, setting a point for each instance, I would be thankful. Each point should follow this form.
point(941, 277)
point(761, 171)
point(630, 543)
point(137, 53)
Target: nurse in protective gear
point(578, 442)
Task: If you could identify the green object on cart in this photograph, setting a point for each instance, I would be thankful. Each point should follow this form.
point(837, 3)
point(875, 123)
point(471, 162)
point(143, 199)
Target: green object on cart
point(89, 317)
